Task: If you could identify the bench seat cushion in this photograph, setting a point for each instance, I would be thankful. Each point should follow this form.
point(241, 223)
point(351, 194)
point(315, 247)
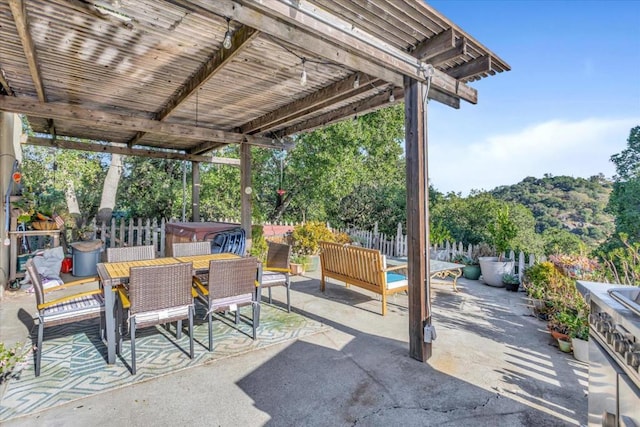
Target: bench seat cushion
point(396, 280)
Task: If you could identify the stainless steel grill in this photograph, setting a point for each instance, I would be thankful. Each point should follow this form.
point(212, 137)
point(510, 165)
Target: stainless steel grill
point(614, 354)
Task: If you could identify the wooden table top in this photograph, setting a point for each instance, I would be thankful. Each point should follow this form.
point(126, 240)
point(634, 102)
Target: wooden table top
point(121, 270)
point(201, 262)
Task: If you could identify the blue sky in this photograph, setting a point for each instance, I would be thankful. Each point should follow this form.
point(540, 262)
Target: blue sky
point(567, 105)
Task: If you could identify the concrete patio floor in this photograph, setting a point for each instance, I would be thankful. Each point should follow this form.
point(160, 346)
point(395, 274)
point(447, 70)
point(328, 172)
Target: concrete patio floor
point(492, 364)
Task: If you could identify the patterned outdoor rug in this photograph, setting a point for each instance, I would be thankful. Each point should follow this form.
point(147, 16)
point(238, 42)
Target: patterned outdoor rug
point(74, 358)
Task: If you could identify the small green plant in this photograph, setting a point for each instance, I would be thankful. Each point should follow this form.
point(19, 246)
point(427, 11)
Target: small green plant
point(464, 259)
point(10, 357)
point(510, 279)
point(502, 231)
point(297, 259)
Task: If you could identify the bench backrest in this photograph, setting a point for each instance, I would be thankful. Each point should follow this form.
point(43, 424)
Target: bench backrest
point(355, 262)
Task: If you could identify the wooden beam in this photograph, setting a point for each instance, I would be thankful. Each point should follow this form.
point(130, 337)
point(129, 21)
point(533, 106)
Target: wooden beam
point(19, 11)
point(109, 147)
point(108, 120)
point(290, 22)
point(327, 93)
point(279, 143)
point(240, 39)
point(455, 52)
point(360, 108)
point(355, 109)
point(372, 85)
point(435, 45)
point(472, 68)
point(417, 221)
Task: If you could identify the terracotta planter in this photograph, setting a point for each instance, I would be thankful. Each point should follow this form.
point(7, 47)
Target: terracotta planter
point(296, 269)
point(559, 335)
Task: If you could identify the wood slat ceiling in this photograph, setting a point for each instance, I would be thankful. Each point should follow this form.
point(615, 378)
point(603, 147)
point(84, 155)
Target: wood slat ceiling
point(133, 59)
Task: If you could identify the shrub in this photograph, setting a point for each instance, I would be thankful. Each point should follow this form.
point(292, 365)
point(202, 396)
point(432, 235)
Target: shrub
point(306, 237)
point(258, 243)
point(342, 238)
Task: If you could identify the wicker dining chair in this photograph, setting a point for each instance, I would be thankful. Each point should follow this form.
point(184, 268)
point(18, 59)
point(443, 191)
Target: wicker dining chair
point(131, 253)
point(276, 271)
point(232, 284)
point(63, 310)
point(191, 248)
point(157, 295)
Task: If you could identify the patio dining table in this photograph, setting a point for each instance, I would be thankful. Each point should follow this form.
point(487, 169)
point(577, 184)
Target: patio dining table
point(113, 274)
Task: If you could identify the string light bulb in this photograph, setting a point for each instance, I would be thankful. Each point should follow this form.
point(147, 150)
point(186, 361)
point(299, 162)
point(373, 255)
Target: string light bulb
point(391, 97)
point(356, 82)
point(226, 43)
point(303, 76)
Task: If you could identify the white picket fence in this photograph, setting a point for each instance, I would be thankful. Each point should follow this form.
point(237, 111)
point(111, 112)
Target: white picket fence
point(140, 232)
point(396, 246)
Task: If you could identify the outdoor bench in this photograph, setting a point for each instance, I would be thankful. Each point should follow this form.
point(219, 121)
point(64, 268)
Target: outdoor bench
point(365, 268)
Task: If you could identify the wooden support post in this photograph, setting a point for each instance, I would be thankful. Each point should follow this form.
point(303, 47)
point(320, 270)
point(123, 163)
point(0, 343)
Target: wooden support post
point(245, 184)
point(417, 221)
point(195, 191)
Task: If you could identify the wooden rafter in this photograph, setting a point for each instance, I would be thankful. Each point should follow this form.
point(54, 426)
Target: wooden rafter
point(105, 120)
point(275, 143)
point(357, 108)
point(337, 92)
point(19, 11)
point(288, 21)
point(108, 147)
point(472, 68)
point(435, 45)
point(240, 39)
point(457, 51)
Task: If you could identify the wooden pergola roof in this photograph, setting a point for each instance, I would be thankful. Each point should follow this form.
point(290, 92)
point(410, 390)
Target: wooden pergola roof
point(136, 75)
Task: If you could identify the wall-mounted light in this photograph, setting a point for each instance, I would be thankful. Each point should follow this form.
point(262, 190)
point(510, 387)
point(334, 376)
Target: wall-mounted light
point(303, 76)
point(356, 82)
point(391, 97)
point(226, 43)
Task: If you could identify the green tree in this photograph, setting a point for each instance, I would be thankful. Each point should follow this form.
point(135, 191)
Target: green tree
point(624, 201)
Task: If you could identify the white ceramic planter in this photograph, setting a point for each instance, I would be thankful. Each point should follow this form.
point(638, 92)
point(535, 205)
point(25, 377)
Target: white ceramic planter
point(580, 349)
point(493, 270)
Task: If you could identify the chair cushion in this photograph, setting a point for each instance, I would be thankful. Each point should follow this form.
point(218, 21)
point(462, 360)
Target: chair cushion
point(244, 299)
point(270, 278)
point(77, 307)
point(396, 280)
point(160, 316)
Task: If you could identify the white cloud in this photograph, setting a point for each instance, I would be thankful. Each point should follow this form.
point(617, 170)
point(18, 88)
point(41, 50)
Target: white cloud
point(579, 149)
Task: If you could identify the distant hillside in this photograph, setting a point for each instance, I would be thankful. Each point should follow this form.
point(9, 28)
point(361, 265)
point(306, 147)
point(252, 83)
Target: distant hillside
point(575, 204)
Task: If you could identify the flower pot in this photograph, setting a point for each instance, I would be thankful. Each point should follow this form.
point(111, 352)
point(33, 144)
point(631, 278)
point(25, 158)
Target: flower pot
point(564, 345)
point(513, 287)
point(471, 272)
point(492, 270)
point(580, 349)
point(558, 335)
point(296, 269)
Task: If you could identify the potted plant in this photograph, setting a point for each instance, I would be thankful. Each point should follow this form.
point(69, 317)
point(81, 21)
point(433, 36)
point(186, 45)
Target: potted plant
point(296, 264)
point(511, 282)
point(306, 239)
point(471, 269)
point(502, 231)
